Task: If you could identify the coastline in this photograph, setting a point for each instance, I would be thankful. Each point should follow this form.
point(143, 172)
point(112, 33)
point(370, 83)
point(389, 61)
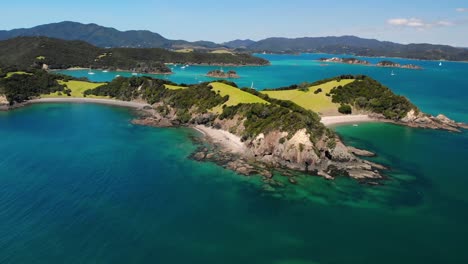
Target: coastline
point(347, 119)
point(135, 105)
point(225, 139)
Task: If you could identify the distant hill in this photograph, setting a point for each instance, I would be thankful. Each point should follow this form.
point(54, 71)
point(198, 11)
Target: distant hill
point(60, 54)
point(359, 46)
point(106, 37)
point(239, 43)
point(103, 36)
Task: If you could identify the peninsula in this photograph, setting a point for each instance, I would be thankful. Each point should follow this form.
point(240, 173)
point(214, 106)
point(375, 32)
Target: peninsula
point(257, 132)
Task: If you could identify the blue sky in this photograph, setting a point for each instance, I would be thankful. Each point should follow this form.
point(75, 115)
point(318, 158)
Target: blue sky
point(404, 21)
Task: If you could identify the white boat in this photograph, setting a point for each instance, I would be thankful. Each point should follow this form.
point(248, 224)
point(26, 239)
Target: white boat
point(264, 52)
point(252, 86)
point(440, 63)
point(105, 71)
point(393, 74)
point(91, 73)
point(117, 75)
point(355, 125)
point(134, 73)
point(183, 67)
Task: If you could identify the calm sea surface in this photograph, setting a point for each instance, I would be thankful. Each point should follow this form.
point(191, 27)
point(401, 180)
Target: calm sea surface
point(80, 184)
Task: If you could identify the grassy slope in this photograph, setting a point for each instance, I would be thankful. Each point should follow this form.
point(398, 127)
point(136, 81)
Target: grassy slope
point(319, 103)
point(236, 96)
point(174, 87)
point(13, 73)
point(77, 88)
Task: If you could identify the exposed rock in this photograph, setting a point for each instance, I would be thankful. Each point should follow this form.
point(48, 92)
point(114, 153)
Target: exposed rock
point(361, 152)
point(325, 175)
point(418, 119)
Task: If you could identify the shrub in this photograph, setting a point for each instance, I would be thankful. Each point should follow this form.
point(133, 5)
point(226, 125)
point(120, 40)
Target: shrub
point(345, 109)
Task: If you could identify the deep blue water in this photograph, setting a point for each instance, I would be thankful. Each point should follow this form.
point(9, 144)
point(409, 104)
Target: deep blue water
point(80, 184)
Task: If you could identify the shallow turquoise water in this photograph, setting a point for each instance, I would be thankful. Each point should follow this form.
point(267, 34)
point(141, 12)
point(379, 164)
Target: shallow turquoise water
point(80, 184)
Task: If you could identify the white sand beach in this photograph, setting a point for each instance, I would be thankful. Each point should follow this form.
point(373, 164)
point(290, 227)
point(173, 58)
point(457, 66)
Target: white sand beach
point(227, 140)
point(346, 119)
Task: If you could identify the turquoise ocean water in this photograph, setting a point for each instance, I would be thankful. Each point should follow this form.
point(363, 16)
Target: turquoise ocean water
point(80, 184)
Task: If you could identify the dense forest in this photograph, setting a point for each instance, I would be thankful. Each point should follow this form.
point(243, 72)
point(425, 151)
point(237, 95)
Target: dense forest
point(22, 87)
point(60, 54)
point(368, 94)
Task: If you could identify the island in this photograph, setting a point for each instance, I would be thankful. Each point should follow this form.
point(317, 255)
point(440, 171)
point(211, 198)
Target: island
point(345, 60)
point(223, 75)
point(392, 64)
point(384, 63)
point(253, 132)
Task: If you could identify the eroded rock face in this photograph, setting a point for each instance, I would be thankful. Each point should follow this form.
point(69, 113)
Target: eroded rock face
point(4, 105)
point(419, 119)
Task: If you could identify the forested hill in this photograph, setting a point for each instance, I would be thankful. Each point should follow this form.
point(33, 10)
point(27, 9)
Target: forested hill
point(104, 37)
point(59, 54)
point(361, 47)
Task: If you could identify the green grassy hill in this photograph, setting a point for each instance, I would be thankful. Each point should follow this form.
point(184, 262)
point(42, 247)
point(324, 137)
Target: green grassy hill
point(236, 96)
point(317, 102)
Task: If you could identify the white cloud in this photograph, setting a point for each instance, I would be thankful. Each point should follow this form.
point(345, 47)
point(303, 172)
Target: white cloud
point(462, 9)
point(418, 23)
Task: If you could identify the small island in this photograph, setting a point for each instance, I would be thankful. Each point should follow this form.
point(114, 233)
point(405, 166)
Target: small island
point(384, 63)
point(223, 75)
point(392, 64)
point(345, 60)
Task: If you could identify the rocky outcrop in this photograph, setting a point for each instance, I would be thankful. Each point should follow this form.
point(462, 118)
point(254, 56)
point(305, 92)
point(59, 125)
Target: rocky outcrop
point(418, 119)
point(392, 64)
point(4, 104)
point(222, 74)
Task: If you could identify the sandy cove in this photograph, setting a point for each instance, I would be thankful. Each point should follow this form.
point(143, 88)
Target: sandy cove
point(347, 119)
point(225, 139)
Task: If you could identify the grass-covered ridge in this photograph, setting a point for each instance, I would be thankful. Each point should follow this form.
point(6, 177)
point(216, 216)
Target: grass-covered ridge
point(316, 97)
point(236, 95)
point(74, 88)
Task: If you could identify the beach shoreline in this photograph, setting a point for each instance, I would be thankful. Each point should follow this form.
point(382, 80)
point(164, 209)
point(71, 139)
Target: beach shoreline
point(225, 139)
point(329, 121)
point(129, 104)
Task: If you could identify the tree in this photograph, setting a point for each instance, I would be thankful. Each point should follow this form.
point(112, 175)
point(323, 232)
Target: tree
point(345, 109)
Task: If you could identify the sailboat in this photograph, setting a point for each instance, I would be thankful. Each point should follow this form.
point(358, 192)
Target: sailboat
point(440, 63)
point(393, 74)
point(252, 86)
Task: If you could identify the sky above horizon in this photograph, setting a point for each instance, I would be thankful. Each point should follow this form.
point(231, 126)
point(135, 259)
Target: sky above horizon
point(415, 21)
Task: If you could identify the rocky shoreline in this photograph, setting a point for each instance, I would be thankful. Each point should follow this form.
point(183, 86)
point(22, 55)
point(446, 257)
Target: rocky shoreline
point(264, 156)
